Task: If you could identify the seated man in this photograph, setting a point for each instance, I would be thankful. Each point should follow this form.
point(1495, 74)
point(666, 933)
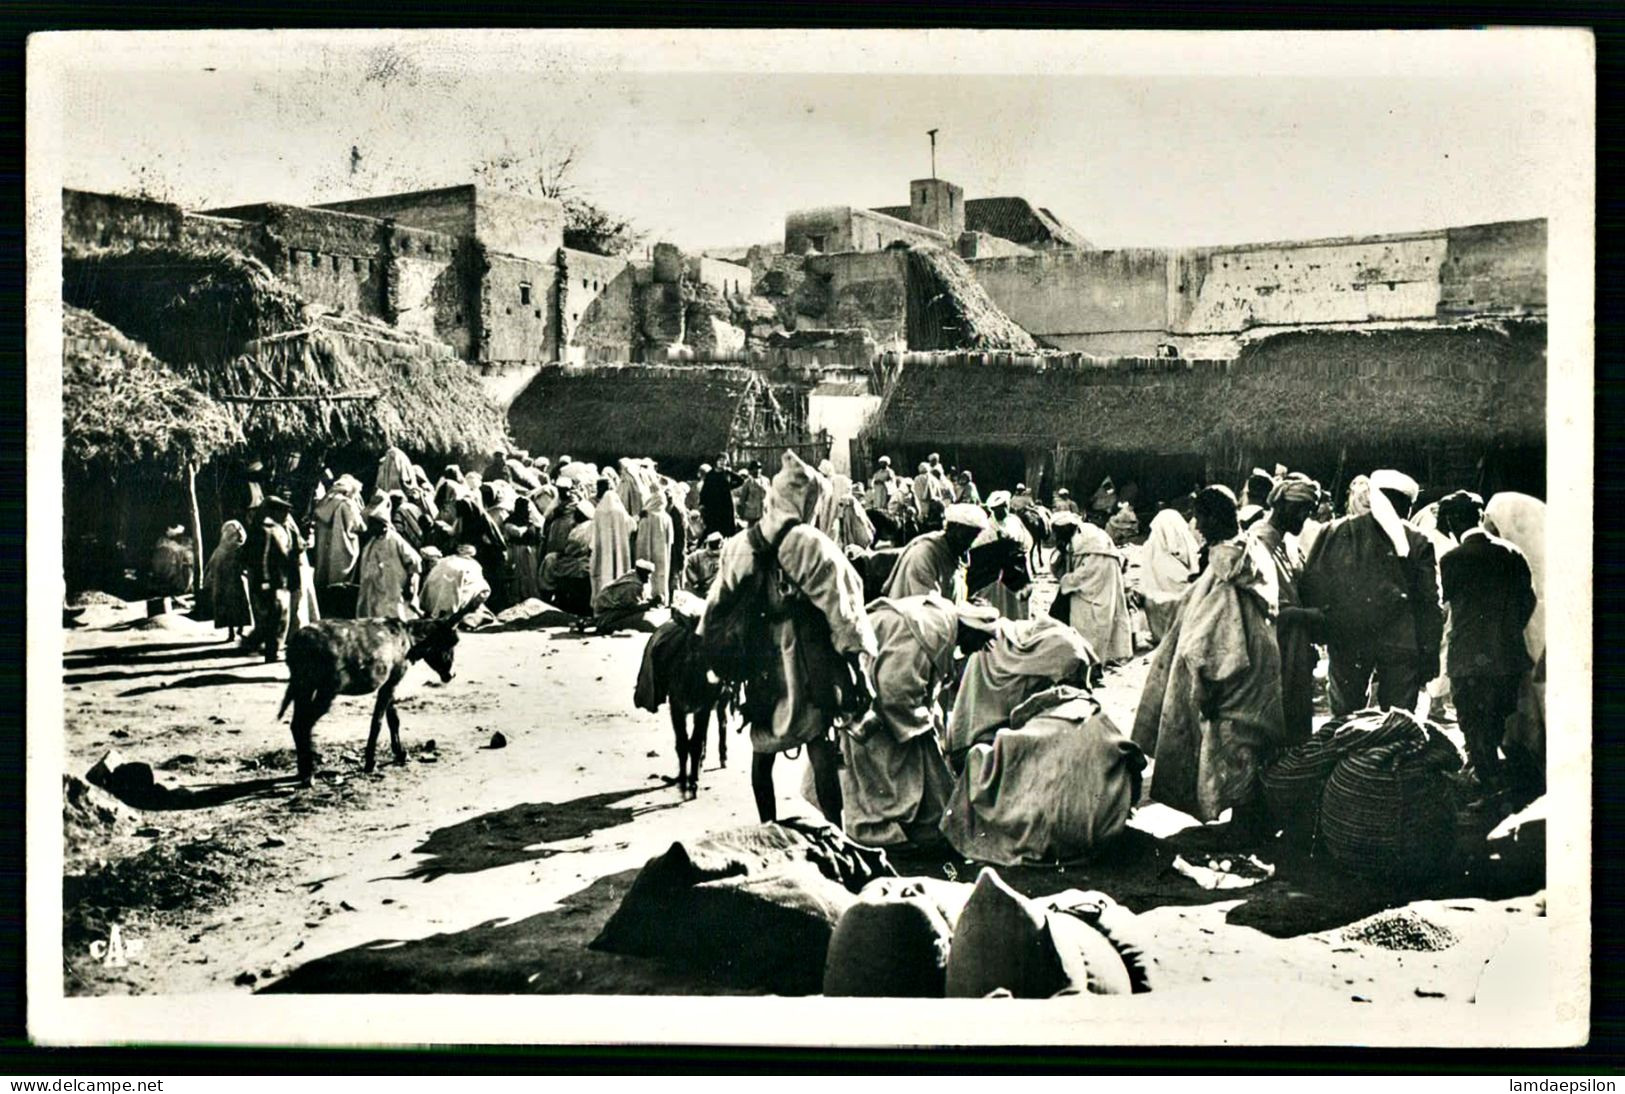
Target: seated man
point(453, 582)
point(895, 781)
point(1024, 658)
point(700, 567)
point(622, 600)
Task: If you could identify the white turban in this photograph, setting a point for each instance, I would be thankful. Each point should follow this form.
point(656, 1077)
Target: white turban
point(1383, 510)
point(998, 498)
point(971, 516)
point(978, 615)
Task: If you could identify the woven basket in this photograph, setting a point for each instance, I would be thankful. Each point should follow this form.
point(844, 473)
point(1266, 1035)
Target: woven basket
point(1294, 783)
point(1387, 812)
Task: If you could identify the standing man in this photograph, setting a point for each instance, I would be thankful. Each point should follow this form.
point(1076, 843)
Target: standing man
point(930, 563)
point(752, 493)
point(1296, 628)
point(785, 615)
point(388, 570)
point(1255, 498)
point(1491, 594)
point(276, 577)
point(1375, 577)
point(717, 497)
point(923, 493)
point(1004, 524)
point(881, 484)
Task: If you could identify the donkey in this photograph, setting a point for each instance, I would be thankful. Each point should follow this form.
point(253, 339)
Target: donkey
point(358, 657)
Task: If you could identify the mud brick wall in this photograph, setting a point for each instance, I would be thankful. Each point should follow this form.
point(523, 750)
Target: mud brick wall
point(597, 307)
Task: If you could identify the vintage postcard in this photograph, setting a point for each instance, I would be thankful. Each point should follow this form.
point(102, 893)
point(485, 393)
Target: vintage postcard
point(706, 536)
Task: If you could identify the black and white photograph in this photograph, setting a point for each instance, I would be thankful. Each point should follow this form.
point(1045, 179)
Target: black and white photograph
point(810, 538)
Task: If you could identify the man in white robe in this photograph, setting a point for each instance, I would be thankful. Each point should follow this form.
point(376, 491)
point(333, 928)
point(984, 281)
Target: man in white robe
point(1093, 583)
point(1024, 658)
point(453, 583)
point(655, 536)
point(612, 530)
point(1170, 563)
point(811, 676)
point(896, 781)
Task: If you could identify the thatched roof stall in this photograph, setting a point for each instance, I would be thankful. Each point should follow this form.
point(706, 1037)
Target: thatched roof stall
point(680, 416)
point(131, 428)
point(1437, 402)
point(296, 378)
point(123, 407)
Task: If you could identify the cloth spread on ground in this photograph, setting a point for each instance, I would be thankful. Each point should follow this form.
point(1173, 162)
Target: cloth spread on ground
point(896, 781)
point(754, 906)
point(1025, 658)
point(1053, 788)
point(1211, 707)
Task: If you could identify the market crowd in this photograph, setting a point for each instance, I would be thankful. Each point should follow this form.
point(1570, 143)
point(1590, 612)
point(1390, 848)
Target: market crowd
point(936, 710)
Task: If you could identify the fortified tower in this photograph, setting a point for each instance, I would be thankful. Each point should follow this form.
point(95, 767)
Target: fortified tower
point(937, 204)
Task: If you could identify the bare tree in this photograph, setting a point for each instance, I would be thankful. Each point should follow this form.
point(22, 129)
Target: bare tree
point(544, 166)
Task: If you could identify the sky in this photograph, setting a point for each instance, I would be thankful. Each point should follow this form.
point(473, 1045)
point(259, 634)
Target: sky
point(708, 139)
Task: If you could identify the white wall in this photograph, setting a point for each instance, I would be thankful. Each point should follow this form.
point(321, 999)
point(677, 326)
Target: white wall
point(844, 416)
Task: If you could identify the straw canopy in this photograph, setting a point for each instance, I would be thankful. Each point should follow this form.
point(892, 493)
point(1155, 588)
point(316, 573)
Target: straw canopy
point(1479, 383)
point(121, 406)
point(294, 377)
point(610, 411)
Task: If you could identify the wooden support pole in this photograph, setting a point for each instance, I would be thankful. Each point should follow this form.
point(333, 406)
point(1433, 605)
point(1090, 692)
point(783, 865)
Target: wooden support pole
point(197, 527)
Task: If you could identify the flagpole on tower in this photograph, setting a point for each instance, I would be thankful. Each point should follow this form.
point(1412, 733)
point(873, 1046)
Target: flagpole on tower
point(932, 133)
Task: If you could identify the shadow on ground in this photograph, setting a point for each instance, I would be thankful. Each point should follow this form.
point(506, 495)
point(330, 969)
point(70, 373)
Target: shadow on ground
point(202, 680)
point(520, 833)
point(1306, 895)
point(543, 954)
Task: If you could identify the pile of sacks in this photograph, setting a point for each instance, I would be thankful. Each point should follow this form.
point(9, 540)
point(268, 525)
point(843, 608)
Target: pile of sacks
point(919, 938)
point(796, 908)
point(1374, 792)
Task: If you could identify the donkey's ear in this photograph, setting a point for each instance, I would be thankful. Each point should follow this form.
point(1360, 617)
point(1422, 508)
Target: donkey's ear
point(457, 616)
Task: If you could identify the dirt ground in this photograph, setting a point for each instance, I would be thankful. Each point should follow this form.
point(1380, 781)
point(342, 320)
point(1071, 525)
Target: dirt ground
point(479, 869)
